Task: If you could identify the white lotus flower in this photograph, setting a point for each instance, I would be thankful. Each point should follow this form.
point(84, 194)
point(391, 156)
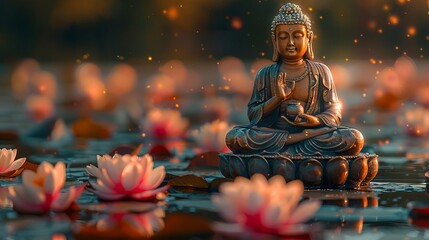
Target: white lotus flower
point(123, 176)
point(41, 190)
point(211, 136)
point(261, 206)
point(8, 164)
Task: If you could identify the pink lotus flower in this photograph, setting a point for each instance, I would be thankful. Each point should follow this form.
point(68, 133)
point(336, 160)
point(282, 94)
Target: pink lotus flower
point(123, 176)
point(211, 136)
point(261, 206)
point(40, 191)
point(8, 164)
point(164, 123)
point(39, 107)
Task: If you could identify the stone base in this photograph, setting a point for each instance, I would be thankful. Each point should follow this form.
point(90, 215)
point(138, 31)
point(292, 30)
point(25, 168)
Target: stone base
point(315, 171)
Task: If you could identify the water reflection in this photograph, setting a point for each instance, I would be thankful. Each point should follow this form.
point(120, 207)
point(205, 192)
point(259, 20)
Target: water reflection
point(123, 225)
point(4, 200)
point(340, 198)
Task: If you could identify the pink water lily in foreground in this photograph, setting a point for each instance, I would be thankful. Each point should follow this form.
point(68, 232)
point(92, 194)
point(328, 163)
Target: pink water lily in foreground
point(127, 176)
point(41, 190)
point(263, 207)
point(8, 164)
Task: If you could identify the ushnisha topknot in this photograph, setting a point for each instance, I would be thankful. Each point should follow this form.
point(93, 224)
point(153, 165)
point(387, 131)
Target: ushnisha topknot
point(290, 14)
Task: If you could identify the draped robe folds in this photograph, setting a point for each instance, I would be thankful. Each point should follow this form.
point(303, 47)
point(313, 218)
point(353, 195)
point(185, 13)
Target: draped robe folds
point(270, 133)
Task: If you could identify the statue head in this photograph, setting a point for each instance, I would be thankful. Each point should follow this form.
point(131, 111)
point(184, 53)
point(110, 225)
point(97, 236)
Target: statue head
point(291, 34)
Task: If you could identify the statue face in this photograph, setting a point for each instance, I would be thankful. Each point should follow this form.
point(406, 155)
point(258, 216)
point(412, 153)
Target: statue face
point(291, 41)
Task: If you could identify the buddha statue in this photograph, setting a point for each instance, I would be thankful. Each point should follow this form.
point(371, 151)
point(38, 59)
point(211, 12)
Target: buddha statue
point(294, 108)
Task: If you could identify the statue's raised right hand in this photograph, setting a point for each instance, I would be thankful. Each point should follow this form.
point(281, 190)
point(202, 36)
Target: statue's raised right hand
point(283, 92)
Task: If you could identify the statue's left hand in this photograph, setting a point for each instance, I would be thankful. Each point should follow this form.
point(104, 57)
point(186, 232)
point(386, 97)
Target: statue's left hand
point(306, 120)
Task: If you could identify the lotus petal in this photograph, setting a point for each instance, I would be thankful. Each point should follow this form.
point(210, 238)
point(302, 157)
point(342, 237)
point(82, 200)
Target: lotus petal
point(64, 200)
point(15, 165)
point(150, 194)
point(131, 176)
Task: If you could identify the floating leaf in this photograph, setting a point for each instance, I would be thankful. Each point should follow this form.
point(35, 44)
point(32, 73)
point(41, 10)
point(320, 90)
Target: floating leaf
point(8, 135)
point(189, 181)
point(160, 152)
point(215, 184)
point(204, 161)
point(88, 128)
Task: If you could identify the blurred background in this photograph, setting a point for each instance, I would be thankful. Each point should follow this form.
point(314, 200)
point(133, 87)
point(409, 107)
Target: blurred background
point(196, 30)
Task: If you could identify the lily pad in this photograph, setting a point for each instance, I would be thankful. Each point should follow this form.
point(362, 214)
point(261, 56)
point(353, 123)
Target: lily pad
point(189, 181)
point(8, 135)
point(88, 128)
point(204, 161)
point(215, 184)
point(160, 152)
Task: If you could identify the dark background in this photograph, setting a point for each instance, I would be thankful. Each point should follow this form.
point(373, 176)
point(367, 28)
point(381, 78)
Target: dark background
point(194, 30)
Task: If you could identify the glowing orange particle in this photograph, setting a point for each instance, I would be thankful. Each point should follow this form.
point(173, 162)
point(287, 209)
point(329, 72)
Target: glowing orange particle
point(386, 7)
point(412, 31)
point(373, 61)
point(172, 13)
point(394, 20)
point(236, 23)
point(372, 24)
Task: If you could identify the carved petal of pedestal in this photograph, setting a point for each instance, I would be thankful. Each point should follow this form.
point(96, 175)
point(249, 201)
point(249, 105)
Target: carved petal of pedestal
point(224, 167)
point(284, 167)
point(336, 172)
point(237, 167)
point(310, 171)
point(316, 171)
point(372, 170)
point(357, 172)
point(258, 164)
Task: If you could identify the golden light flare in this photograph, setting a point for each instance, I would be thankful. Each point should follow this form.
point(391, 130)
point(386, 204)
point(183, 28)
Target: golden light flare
point(394, 20)
point(121, 80)
point(386, 7)
point(236, 23)
point(172, 13)
point(372, 24)
point(411, 31)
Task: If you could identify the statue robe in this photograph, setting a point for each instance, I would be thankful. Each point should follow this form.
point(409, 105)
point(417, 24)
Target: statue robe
point(270, 133)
